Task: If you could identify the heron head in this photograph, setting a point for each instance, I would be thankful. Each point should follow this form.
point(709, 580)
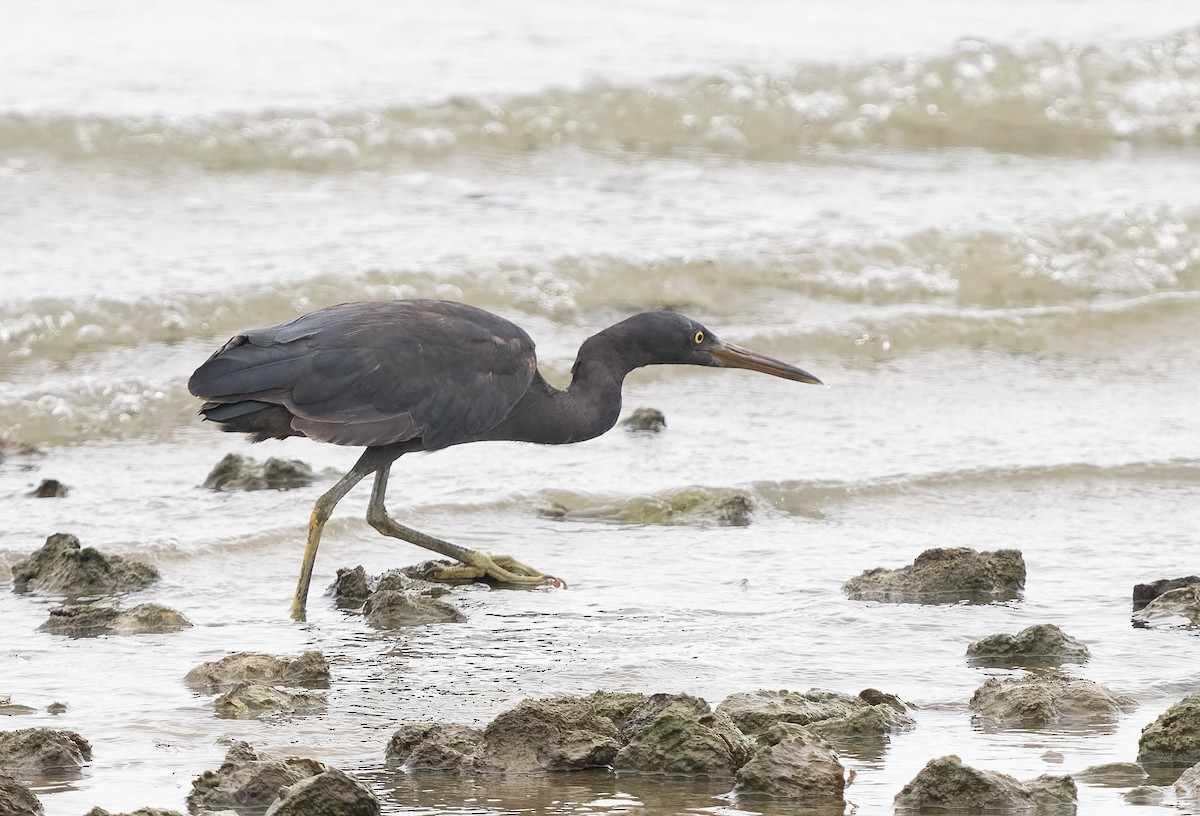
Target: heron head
point(673, 339)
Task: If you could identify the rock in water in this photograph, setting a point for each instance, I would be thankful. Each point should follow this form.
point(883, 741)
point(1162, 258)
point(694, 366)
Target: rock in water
point(63, 567)
point(1177, 608)
point(434, 746)
point(645, 419)
point(946, 784)
point(680, 734)
point(1113, 774)
point(1173, 740)
point(332, 793)
point(1187, 787)
point(309, 670)
point(944, 575)
point(393, 608)
point(142, 811)
point(94, 620)
point(236, 472)
point(50, 489)
point(16, 799)
point(247, 700)
point(245, 781)
point(1039, 701)
point(1043, 644)
point(43, 751)
point(1145, 593)
point(799, 765)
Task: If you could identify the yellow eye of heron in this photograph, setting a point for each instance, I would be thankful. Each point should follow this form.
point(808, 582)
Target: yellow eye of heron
point(699, 338)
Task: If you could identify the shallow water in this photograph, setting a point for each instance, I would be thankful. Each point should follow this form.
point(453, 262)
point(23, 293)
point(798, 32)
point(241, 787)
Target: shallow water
point(978, 225)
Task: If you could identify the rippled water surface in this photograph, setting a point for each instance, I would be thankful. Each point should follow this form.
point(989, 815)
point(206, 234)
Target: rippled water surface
point(980, 226)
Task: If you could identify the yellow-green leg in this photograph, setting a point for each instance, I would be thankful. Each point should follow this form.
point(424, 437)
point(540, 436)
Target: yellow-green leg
point(474, 564)
point(316, 523)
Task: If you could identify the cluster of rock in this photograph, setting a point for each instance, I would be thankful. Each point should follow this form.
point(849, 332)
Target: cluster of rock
point(396, 598)
point(251, 684)
point(87, 578)
point(777, 744)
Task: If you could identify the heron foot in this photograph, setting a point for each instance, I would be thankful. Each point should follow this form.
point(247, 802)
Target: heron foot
point(503, 569)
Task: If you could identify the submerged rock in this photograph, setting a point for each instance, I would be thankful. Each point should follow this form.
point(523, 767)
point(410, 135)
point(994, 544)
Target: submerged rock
point(353, 586)
point(50, 489)
point(63, 567)
point(1144, 795)
point(680, 734)
point(332, 793)
point(1113, 774)
point(645, 419)
point(94, 620)
point(1173, 740)
point(142, 811)
point(309, 670)
point(247, 781)
point(1043, 644)
point(561, 733)
point(394, 608)
point(946, 784)
point(43, 751)
point(236, 472)
point(1038, 701)
point(797, 765)
point(246, 700)
point(944, 575)
point(1175, 608)
point(434, 746)
point(16, 799)
point(10, 709)
point(1145, 593)
point(1187, 787)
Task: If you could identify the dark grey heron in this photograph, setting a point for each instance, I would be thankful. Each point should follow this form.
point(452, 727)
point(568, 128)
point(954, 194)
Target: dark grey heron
point(422, 375)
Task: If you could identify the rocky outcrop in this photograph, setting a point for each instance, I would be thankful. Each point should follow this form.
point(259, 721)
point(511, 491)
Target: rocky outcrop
point(394, 608)
point(93, 620)
point(332, 793)
point(857, 725)
point(680, 734)
point(792, 763)
point(1173, 740)
point(63, 567)
point(1043, 644)
point(944, 575)
point(236, 472)
point(43, 751)
point(1042, 700)
point(309, 670)
point(246, 700)
point(247, 781)
point(946, 784)
point(555, 734)
point(1145, 593)
point(1177, 608)
point(434, 746)
point(16, 799)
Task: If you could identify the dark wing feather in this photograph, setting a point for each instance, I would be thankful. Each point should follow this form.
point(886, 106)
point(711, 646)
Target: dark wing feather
point(378, 373)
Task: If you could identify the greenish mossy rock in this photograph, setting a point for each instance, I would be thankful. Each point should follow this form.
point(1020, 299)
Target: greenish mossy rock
point(332, 793)
point(1043, 644)
point(680, 734)
point(1173, 740)
point(63, 567)
point(236, 472)
point(309, 670)
point(944, 575)
point(1043, 700)
point(434, 746)
point(246, 781)
point(43, 751)
point(94, 620)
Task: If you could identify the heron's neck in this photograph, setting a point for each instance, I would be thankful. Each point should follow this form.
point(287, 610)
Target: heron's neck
point(586, 408)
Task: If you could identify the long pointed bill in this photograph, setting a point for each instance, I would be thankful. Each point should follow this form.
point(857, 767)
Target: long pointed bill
point(731, 356)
